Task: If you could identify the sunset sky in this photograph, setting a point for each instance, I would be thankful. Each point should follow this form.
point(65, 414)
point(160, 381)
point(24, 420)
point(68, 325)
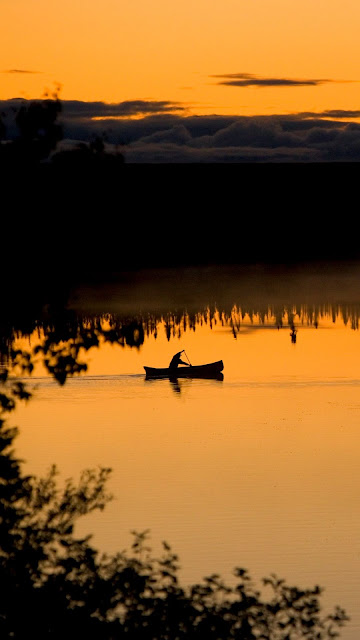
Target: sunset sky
point(260, 57)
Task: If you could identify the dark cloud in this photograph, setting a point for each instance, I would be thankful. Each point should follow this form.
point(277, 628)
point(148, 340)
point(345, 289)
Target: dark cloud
point(340, 113)
point(250, 80)
point(128, 108)
point(228, 139)
point(20, 71)
point(160, 136)
point(79, 110)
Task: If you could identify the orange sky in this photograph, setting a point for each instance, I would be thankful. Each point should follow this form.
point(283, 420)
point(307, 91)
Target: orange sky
point(114, 51)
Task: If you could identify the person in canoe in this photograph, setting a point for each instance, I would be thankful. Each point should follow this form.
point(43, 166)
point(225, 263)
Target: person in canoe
point(176, 360)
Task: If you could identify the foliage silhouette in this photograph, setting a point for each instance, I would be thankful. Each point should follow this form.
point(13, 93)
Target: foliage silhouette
point(56, 584)
point(38, 133)
point(66, 340)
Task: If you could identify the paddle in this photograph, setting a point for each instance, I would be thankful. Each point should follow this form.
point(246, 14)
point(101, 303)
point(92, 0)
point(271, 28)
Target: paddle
point(187, 357)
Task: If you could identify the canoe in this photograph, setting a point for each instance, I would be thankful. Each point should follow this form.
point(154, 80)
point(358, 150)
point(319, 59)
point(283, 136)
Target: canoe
point(210, 370)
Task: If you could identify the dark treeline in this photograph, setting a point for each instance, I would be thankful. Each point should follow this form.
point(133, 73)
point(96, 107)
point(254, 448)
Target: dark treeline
point(86, 211)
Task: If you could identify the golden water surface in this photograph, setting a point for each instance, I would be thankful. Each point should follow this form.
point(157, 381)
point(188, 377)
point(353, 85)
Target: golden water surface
point(258, 470)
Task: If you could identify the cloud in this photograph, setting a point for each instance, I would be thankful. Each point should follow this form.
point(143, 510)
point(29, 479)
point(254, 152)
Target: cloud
point(128, 108)
point(174, 138)
point(341, 113)
point(241, 139)
point(19, 71)
point(250, 80)
point(159, 135)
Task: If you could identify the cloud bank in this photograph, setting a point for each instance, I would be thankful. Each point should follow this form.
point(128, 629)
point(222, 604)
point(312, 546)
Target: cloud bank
point(164, 132)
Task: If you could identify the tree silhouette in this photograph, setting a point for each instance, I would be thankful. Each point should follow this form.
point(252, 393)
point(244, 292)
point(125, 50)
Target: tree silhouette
point(38, 133)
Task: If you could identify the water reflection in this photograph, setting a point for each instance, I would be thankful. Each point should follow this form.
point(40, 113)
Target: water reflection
point(61, 338)
point(176, 303)
point(175, 384)
point(133, 331)
point(179, 384)
point(287, 433)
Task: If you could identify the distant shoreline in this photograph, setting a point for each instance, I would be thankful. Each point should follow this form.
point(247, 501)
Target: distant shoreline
point(61, 225)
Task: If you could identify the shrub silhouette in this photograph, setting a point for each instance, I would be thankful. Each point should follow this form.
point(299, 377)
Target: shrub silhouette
point(38, 133)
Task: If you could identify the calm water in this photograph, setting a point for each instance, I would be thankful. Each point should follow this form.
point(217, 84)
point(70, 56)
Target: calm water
point(259, 470)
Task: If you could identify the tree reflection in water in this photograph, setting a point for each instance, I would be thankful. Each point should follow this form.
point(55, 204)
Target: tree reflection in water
point(56, 584)
point(63, 337)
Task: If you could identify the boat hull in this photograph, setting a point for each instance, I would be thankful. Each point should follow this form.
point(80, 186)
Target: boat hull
point(210, 370)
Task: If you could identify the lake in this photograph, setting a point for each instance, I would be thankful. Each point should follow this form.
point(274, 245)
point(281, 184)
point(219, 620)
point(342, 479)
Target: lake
point(258, 470)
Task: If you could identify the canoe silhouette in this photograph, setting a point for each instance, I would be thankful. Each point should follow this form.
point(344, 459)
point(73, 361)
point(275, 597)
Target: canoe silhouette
point(209, 370)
